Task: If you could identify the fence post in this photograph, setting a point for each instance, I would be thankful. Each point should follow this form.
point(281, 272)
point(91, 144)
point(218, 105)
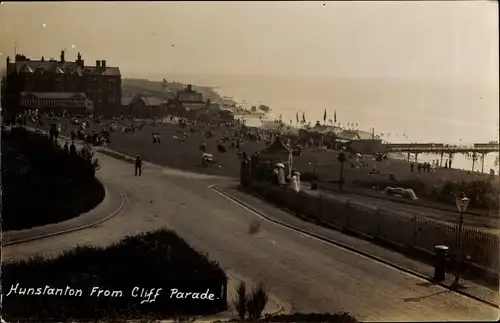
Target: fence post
point(320, 209)
point(377, 234)
point(415, 230)
point(346, 215)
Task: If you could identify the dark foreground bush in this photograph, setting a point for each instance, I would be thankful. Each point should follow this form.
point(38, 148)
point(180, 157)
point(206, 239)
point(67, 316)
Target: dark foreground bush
point(145, 262)
point(42, 184)
point(313, 317)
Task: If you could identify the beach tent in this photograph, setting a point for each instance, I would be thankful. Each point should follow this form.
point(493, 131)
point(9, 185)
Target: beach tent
point(277, 152)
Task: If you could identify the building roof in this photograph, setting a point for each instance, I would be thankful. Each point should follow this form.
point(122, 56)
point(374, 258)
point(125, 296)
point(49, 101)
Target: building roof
point(364, 135)
point(356, 135)
point(147, 100)
point(63, 68)
point(276, 148)
point(193, 106)
point(323, 129)
point(55, 95)
point(127, 100)
point(151, 101)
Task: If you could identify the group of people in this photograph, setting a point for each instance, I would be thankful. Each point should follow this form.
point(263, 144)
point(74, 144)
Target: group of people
point(70, 149)
point(279, 178)
point(425, 167)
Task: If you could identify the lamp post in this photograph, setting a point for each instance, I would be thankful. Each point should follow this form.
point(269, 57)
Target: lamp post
point(341, 159)
point(462, 203)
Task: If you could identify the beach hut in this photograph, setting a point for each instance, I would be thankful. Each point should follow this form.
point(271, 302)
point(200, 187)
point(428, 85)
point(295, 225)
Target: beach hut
point(277, 152)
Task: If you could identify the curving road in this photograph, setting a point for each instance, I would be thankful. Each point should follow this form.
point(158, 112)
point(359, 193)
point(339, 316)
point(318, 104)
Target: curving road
point(305, 274)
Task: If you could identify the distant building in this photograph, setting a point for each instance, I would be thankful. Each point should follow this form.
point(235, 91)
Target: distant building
point(143, 107)
point(187, 102)
point(100, 83)
point(189, 95)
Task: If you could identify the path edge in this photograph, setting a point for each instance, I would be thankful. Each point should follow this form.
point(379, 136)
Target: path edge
point(78, 228)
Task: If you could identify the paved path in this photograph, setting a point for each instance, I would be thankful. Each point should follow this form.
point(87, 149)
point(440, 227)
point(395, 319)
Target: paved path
point(304, 273)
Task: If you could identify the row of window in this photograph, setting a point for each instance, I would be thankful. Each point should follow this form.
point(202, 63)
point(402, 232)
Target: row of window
point(57, 103)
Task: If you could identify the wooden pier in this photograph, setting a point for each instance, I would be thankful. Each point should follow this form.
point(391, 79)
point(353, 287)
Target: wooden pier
point(478, 151)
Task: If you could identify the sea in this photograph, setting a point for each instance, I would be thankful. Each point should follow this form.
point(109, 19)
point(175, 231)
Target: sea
point(400, 110)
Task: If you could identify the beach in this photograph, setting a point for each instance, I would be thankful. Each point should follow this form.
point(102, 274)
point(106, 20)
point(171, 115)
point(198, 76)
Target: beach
point(179, 148)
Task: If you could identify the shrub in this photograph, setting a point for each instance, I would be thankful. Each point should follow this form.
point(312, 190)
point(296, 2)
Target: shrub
point(240, 303)
point(42, 184)
point(158, 259)
point(257, 301)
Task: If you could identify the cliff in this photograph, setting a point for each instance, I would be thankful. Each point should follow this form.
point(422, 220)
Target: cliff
point(163, 90)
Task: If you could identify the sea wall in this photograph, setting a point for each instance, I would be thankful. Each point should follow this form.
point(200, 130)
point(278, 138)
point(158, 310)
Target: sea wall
point(413, 233)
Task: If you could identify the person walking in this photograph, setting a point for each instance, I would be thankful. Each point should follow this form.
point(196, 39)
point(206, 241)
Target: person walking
point(138, 165)
point(66, 147)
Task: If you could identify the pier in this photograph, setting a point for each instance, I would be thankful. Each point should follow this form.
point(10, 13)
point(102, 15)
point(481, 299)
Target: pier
point(478, 151)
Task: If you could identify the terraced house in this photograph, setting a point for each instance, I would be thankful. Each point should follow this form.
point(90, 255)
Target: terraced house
point(58, 85)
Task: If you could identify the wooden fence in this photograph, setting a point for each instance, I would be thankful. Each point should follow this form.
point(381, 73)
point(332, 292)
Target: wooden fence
point(415, 232)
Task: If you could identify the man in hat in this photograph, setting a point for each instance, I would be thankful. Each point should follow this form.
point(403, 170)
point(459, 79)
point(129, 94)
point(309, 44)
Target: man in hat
point(138, 165)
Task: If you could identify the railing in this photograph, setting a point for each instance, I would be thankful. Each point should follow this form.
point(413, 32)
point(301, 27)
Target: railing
point(421, 233)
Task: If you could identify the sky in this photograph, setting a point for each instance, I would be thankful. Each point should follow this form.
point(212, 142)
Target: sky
point(379, 63)
point(451, 40)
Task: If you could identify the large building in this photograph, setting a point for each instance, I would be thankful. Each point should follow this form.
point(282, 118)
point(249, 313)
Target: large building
point(96, 87)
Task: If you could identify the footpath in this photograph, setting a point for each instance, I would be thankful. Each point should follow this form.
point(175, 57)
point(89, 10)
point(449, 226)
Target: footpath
point(357, 245)
point(59, 236)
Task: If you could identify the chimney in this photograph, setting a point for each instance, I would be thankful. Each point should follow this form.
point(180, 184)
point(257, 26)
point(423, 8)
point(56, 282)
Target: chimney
point(103, 64)
point(62, 56)
point(98, 64)
point(79, 60)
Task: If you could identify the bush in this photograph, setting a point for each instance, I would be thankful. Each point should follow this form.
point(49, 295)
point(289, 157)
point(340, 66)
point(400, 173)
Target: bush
point(256, 302)
point(158, 259)
point(240, 303)
point(482, 194)
point(42, 184)
point(312, 317)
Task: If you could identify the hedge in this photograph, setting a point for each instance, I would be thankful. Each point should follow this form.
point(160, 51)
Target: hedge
point(158, 259)
point(41, 183)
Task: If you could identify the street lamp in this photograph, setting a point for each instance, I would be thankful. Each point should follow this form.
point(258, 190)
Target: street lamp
point(341, 159)
point(462, 203)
